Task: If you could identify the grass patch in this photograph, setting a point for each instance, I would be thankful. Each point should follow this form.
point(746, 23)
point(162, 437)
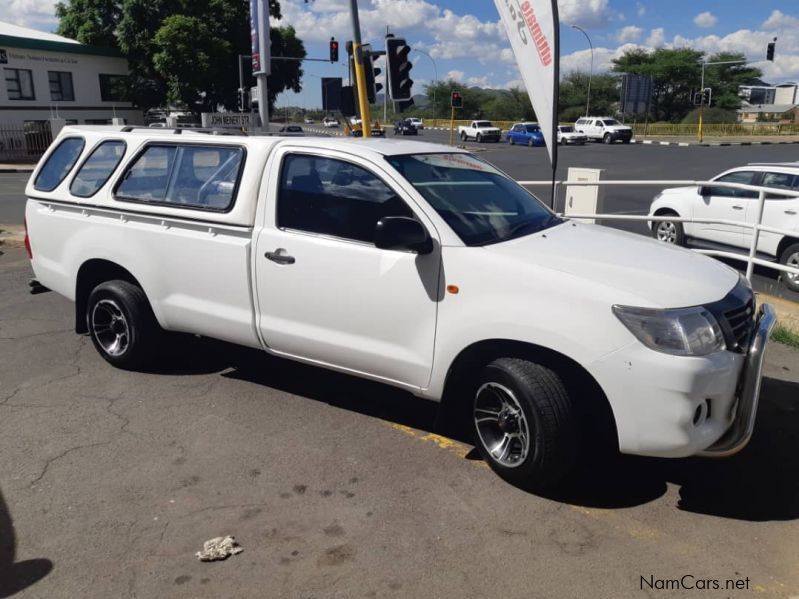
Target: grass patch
point(785, 336)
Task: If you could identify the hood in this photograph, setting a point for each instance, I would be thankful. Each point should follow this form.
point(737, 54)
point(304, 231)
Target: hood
point(660, 275)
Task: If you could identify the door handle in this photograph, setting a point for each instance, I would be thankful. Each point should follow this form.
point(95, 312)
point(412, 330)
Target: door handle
point(737, 207)
point(791, 212)
point(280, 256)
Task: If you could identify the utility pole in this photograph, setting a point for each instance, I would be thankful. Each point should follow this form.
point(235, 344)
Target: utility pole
point(385, 87)
point(265, 60)
point(360, 74)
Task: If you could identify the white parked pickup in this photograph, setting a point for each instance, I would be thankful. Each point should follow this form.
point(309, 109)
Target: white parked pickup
point(409, 263)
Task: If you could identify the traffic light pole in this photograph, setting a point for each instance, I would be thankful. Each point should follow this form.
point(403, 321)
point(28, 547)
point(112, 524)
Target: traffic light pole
point(451, 124)
point(702, 91)
point(360, 74)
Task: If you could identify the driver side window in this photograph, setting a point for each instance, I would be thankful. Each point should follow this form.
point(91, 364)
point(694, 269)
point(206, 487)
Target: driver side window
point(745, 177)
point(334, 197)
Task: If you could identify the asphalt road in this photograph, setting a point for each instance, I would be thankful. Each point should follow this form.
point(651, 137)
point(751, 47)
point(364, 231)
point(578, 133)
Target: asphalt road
point(110, 481)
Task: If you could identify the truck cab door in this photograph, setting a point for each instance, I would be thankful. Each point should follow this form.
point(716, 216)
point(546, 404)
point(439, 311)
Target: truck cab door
point(725, 203)
point(325, 293)
point(779, 211)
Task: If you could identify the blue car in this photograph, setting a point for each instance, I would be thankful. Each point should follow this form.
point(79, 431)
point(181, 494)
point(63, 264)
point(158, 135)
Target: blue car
point(528, 134)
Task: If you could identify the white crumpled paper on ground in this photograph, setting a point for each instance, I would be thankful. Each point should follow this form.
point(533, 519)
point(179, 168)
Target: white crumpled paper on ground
point(219, 548)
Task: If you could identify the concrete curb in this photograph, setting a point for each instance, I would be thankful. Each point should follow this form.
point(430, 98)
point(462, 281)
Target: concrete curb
point(710, 144)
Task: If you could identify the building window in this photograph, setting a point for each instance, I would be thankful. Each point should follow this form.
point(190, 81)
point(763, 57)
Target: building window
point(61, 89)
point(19, 83)
point(113, 88)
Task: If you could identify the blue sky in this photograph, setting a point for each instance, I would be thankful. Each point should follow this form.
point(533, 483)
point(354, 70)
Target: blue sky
point(468, 43)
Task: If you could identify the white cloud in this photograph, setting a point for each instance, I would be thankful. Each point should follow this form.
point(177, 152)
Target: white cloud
point(631, 33)
point(705, 19)
point(38, 14)
point(656, 38)
point(455, 75)
point(586, 13)
point(779, 20)
point(640, 9)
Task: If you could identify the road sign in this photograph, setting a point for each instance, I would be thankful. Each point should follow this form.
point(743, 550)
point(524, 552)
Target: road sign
point(229, 120)
point(636, 94)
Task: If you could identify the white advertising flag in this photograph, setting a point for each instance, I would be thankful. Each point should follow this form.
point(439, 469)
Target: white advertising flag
point(533, 31)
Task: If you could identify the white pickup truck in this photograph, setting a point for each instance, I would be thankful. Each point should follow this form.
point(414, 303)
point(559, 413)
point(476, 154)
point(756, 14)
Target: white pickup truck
point(604, 129)
point(409, 263)
point(479, 131)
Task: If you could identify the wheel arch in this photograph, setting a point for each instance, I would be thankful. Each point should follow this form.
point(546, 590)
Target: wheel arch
point(784, 243)
point(90, 274)
point(464, 369)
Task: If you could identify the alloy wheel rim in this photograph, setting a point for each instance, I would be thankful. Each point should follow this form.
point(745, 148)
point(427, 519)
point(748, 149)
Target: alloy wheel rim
point(110, 327)
point(501, 425)
point(793, 261)
point(667, 232)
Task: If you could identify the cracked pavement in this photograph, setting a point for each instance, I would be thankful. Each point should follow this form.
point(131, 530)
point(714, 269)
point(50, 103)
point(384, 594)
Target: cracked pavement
point(110, 481)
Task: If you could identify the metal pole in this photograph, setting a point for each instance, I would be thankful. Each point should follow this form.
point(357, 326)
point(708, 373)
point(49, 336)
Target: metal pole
point(385, 86)
point(702, 102)
point(590, 72)
point(750, 266)
point(266, 63)
point(360, 75)
point(241, 84)
point(451, 125)
point(435, 71)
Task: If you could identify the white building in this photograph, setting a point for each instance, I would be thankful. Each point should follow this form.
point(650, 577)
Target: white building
point(45, 76)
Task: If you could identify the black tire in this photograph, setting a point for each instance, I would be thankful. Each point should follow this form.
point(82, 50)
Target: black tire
point(479, 138)
point(790, 257)
point(549, 418)
point(463, 135)
point(669, 232)
point(510, 141)
point(607, 139)
point(139, 327)
point(530, 142)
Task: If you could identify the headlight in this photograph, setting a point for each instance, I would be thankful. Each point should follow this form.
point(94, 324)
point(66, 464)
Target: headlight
point(680, 332)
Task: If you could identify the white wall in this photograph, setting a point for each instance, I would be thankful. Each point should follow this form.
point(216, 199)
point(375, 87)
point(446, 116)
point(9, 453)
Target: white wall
point(85, 69)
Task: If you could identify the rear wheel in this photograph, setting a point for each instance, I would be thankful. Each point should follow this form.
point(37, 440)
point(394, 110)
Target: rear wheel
point(668, 231)
point(790, 257)
point(524, 423)
point(463, 135)
point(510, 141)
point(122, 325)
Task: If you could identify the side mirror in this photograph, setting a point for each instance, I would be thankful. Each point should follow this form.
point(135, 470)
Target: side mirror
point(402, 233)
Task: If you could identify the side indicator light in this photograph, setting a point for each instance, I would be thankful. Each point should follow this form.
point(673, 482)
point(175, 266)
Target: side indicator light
point(453, 289)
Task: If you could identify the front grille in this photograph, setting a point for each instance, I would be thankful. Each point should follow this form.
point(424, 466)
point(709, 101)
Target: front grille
point(736, 317)
point(741, 321)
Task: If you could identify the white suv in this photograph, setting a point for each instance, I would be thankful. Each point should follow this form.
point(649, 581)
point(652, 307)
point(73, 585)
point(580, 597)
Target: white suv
point(730, 204)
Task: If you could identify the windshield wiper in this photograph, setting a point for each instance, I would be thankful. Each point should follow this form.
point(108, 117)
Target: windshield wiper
point(516, 230)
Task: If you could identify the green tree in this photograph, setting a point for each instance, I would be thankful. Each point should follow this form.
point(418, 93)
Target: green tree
point(676, 74)
point(182, 51)
point(573, 95)
point(725, 79)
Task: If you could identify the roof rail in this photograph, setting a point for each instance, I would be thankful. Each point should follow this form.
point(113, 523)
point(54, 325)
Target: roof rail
point(180, 130)
point(792, 164)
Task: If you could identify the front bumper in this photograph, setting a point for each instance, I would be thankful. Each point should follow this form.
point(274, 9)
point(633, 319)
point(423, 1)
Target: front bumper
point(676, 406)
point(743, 424)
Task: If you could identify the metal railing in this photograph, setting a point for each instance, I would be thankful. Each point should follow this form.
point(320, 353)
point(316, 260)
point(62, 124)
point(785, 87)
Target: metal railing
point(751, 259)
point(27, 141)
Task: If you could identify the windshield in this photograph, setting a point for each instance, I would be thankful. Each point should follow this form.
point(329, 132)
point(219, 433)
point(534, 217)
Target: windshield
point(480, 204)
point(533, 129)
point(482, 124)
point(611, 122)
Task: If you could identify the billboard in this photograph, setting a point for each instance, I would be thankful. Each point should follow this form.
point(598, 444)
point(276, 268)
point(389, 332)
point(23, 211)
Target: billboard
point(636, 94)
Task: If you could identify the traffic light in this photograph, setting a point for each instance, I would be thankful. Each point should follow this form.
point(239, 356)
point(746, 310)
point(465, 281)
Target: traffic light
point(698, 99)
point(400, 84)
point(770, 50)
point(371, 71)
point(456, 99)
point(333, 50)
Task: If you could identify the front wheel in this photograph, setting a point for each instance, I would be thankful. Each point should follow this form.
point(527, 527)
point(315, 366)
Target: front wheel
point(668, 231)
point(607, 139)
point(524, 423)
point(510, 141)
point(790, 257)
point(479, 138)
point(122, 325)
point(530, 142)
